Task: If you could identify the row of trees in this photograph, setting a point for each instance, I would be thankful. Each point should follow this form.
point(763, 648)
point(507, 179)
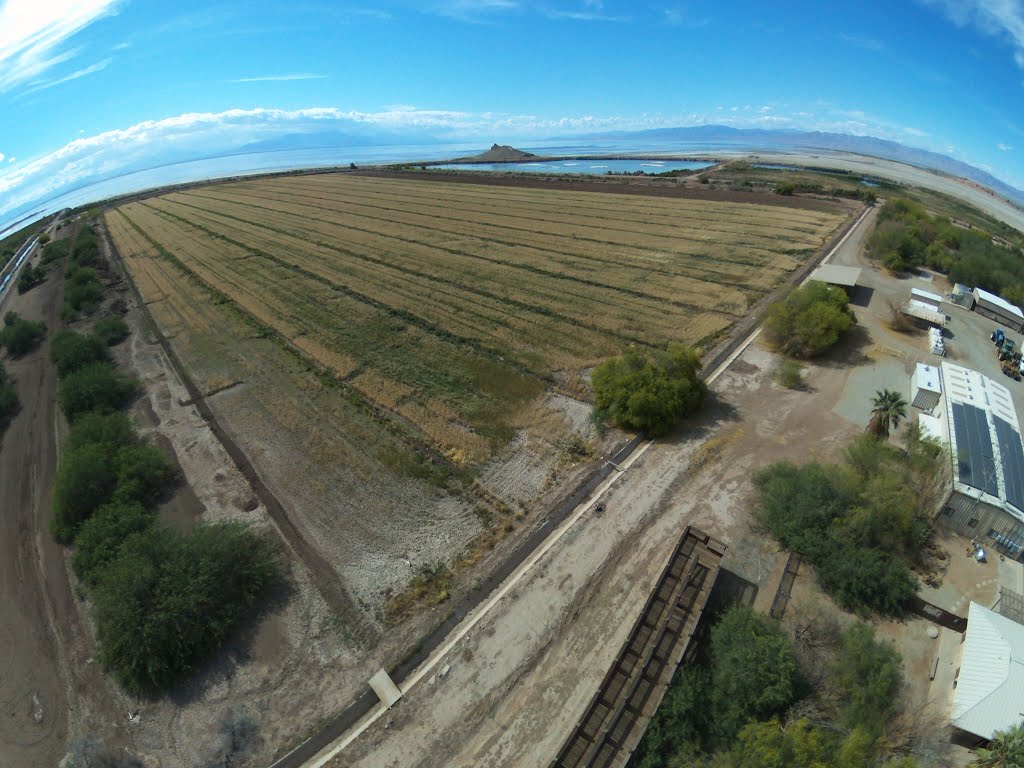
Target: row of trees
point(20, 336)
point(164, 600)
point(756, 699)
point(9, 403)
point(907, 237)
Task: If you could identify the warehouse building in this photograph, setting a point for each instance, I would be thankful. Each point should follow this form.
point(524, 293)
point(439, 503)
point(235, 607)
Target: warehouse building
point(988, 694)
point(923, 306)
point(987, 498)
point(999, 309)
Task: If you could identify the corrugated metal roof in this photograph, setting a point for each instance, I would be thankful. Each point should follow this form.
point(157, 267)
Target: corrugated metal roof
point(835, 274)
point(989, 693)
point(982, 295)
point(918, 293)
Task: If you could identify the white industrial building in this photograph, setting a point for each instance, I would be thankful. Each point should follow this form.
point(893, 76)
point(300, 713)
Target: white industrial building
point(989, 686)
point(925, 387)
point(924, 305)
point(978, 420)
point(999, 309)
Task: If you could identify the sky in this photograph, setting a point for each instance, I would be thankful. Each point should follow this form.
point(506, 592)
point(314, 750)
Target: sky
point(91, 88)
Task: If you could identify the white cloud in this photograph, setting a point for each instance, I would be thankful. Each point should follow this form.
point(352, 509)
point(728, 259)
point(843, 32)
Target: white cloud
point(279, 78)
point(474, 10)
point(41, 85)
point(11, 159)
point(999, 18)
point(1003, 147)
point(34, 34)
point(584, 16)
point(1, 157)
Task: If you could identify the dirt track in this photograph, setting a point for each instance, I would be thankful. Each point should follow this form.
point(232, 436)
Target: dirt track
point(34, 723)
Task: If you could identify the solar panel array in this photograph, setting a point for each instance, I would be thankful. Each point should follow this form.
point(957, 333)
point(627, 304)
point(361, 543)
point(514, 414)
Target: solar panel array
point(974, 449)
point(1012, 454)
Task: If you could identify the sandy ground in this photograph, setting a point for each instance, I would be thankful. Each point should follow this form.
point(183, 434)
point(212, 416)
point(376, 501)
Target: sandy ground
point(963, 189)
point(515, 685)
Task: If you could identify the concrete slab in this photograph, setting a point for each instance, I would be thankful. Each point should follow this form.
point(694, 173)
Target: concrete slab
point(385, 688)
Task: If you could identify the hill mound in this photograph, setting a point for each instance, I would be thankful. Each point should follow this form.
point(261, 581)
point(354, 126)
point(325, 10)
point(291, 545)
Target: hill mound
point(500, 153)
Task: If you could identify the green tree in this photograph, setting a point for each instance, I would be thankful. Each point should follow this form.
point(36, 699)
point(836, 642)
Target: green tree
point(100, 537)
point(112, 431)
point(790, 374)
point(1006, 750)
point(167, 600)
point(9, 403)
point(71, 351)
point(20, 336)
point(143, 473)
point(85, 480)
point(888, 409)
point(96, 387)
point(650, 391)
point(110, 330)
point(809, 321)
point(868, 674)
point(865, 580)
point(755, 671)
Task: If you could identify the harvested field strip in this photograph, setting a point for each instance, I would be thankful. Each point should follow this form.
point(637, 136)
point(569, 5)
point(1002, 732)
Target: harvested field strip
point(447, 196)
point(436, 304)
point(533, 293)
point(753, 254)
point(369, 336)
point(527, 257)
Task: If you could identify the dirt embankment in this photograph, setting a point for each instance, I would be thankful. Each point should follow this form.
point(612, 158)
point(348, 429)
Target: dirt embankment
point(619, 185)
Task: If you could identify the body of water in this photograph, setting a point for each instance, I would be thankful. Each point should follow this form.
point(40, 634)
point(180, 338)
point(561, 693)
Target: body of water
point(598, 167)
point(243, 164)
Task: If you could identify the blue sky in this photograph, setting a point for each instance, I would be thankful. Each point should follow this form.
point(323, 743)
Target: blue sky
point(90, 87)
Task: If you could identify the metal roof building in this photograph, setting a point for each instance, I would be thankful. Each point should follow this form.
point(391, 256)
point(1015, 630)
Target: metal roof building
point(988, 459)
point(999, 309)
point(834, 274)
point(989, 693)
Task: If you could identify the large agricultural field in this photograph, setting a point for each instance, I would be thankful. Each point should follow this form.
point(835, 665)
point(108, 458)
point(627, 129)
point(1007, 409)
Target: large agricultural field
point(402, 360)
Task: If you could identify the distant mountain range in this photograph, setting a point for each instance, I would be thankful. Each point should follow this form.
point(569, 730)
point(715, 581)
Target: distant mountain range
point(836, 142)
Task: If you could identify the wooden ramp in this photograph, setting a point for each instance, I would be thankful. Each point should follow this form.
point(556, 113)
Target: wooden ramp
point(616, 718)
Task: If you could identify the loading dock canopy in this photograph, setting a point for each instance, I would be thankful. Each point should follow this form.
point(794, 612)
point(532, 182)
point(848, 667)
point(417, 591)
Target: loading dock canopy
point(834, 274)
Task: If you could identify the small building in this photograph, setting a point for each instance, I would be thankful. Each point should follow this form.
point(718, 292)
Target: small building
point(842, 277)
point(988, 693)
point(925, 314)
point(986, 502)
point(962, 296)
point(925, 387)
point(927, 298)
point(999, 309)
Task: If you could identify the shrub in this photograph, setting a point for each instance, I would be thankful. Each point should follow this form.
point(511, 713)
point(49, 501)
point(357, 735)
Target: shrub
point(82, 291)
point(30, 277)
point(100, 537)
point(8, 399)
point(868, 674)
point(96, 387)
point(110, 330)
point(809, 321)
point(650, 391)
point(72, 351)
point(20, 336)
point(167, 600)
point(85, 480)
point(111, 430)
point(143, 473)
point(790, 374)
point(866, 581)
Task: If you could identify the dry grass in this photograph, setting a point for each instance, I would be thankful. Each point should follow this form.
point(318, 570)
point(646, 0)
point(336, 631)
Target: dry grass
point(452, 306)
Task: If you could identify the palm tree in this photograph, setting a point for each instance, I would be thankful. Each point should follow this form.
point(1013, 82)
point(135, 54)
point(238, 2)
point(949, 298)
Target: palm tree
point(889, 408)
point(1006, 750)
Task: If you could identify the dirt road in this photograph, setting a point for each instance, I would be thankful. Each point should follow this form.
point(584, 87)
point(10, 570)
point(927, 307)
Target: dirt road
point(34, 723)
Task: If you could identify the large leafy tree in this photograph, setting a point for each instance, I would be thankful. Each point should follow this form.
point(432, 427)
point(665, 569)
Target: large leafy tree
point(1006, 750)
point(888, 409)
point(650, 391)
point(809, 321)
